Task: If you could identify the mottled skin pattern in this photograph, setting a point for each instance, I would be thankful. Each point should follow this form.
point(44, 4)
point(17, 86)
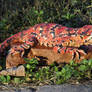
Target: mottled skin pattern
point(62, 39)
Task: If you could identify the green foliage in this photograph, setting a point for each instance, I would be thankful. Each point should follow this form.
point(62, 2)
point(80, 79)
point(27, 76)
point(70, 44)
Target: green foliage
point(64, 74)
point(5, 79)
point(30, 64)
point(16, 80)
point(52, 74)
point(17, 15)
point(55, 74)
point(43, 74)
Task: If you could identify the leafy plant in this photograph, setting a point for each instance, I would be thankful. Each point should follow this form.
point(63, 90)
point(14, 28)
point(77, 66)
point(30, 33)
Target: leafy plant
point(19, 15)
point(31, 64)
point(53, 74)
point(5, 79)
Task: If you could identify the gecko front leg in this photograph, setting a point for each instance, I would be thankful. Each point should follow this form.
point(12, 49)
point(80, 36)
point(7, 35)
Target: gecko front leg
point(20, 48)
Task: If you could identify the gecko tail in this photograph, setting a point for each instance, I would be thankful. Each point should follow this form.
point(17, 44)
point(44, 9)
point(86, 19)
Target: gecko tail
point(4, 46)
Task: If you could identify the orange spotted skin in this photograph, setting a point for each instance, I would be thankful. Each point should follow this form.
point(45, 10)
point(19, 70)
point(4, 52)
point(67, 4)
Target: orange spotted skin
point(61, 38)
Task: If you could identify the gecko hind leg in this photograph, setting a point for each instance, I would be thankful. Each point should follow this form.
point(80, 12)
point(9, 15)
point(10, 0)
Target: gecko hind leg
point(77, 54)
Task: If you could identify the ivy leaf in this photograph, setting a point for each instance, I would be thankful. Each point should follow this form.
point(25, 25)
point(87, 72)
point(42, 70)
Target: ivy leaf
point(8, 78)
point(2, 79)
point(82, 68)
